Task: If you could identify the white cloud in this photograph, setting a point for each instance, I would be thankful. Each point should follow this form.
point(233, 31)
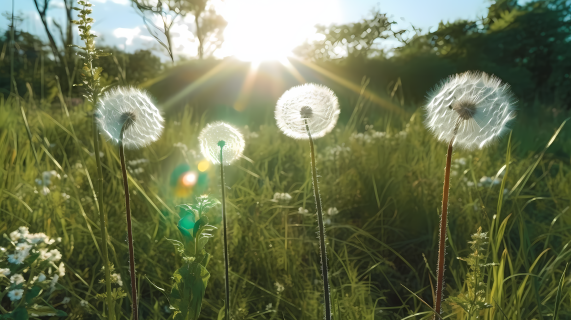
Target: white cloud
point(127, 33)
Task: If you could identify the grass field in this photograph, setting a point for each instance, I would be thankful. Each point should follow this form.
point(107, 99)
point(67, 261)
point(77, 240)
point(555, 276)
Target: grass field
point(383, 177)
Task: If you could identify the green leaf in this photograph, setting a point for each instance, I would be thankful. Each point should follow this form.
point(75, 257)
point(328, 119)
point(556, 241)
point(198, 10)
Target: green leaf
point(42, 311)
point(559, 291)
point(190, 283)
point(32, 293)
point(20, 314)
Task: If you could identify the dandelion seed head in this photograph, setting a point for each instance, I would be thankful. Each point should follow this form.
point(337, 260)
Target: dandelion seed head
point(221, 135)
point(134, 109)
point(473, 107)
point(312, 103)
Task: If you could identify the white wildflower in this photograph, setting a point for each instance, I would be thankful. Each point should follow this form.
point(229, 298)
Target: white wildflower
point(16, 294)
point(66, 300)
point(472, 107)
point(129, 104)
point(303, 210)
point(61, 269)
point(309, 103)
point(332, 211)
point(220, 133)
point(17, 279)
point(54, 282)
point(285, 197)
point(116, 278)
point(83, 303)
point(269, 306)
point(279, 287)
point(41, 277)
point(5, 271)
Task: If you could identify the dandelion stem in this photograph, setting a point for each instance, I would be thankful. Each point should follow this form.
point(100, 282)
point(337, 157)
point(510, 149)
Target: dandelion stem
point(225, 230)
point(443, 225)
point(324, 271)
point(129, 226)
point(103, 225)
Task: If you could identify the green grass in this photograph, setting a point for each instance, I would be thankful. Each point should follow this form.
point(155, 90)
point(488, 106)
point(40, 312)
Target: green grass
point(383, 239)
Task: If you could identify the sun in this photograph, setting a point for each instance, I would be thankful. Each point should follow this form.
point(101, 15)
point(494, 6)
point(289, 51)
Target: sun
point(268, 30)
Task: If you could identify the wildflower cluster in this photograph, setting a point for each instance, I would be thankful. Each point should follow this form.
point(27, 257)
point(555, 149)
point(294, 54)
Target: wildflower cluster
point(474, 299)
point(30, 272)
point(91, 76)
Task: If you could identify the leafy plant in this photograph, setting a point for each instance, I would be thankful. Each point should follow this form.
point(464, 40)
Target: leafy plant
point(475, 298)
point(190, 281)
point(29, 275)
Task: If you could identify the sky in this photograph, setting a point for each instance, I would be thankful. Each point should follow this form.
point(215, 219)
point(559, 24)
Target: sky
point(257, 29)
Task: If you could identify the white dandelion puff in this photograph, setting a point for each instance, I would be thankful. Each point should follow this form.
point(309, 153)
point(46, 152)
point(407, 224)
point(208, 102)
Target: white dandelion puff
point(472, 107)
point(312, 103)
point(212, 136)
point(129, 104)
point(15, 295)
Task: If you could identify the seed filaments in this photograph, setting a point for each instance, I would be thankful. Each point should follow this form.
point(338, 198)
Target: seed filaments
point(306, 112)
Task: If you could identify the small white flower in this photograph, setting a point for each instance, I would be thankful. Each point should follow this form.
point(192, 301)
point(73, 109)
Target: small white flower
point(15, 235)
point(219, 133)
point(53, 283)
point(470, 184)
point(129, 104)
point(41, 277)
point(16, 294)
point(269, 307)
point(309, 103)
point(66, 300)
point(17, 279)
point(5, 271)
point(83, 303)
point(484, 181)
point(55, 255)
point(332, 211)
point(303, 210)
point(61, 269)
point(279, 287)
point(36, 238)
point(116, 278)
point(472, 107)
point(285, 197)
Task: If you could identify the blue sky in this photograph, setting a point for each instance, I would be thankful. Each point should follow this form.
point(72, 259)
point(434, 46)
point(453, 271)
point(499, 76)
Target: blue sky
point(118, 24)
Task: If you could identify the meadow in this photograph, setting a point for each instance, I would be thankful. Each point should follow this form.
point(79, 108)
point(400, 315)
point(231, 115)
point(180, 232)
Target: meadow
point(380, 174)
point(383, 177)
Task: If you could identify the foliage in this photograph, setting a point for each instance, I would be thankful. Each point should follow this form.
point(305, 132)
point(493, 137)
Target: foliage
point(475, 298)
point(209, 25)
point(359, 40)
point(34, 258)
point(190, 281)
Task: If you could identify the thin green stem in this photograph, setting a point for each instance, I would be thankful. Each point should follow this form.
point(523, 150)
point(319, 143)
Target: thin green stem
point(225, 231)
point(129, 227)
point(103, 225)
point(324, 270)
point(442, 240)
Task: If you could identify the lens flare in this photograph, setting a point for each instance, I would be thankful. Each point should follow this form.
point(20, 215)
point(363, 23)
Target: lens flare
point(189, 179)
point(203, 165)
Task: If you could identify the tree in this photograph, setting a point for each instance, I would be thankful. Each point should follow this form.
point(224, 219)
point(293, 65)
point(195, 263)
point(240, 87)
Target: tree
point(208, 25)
point(354, 40)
